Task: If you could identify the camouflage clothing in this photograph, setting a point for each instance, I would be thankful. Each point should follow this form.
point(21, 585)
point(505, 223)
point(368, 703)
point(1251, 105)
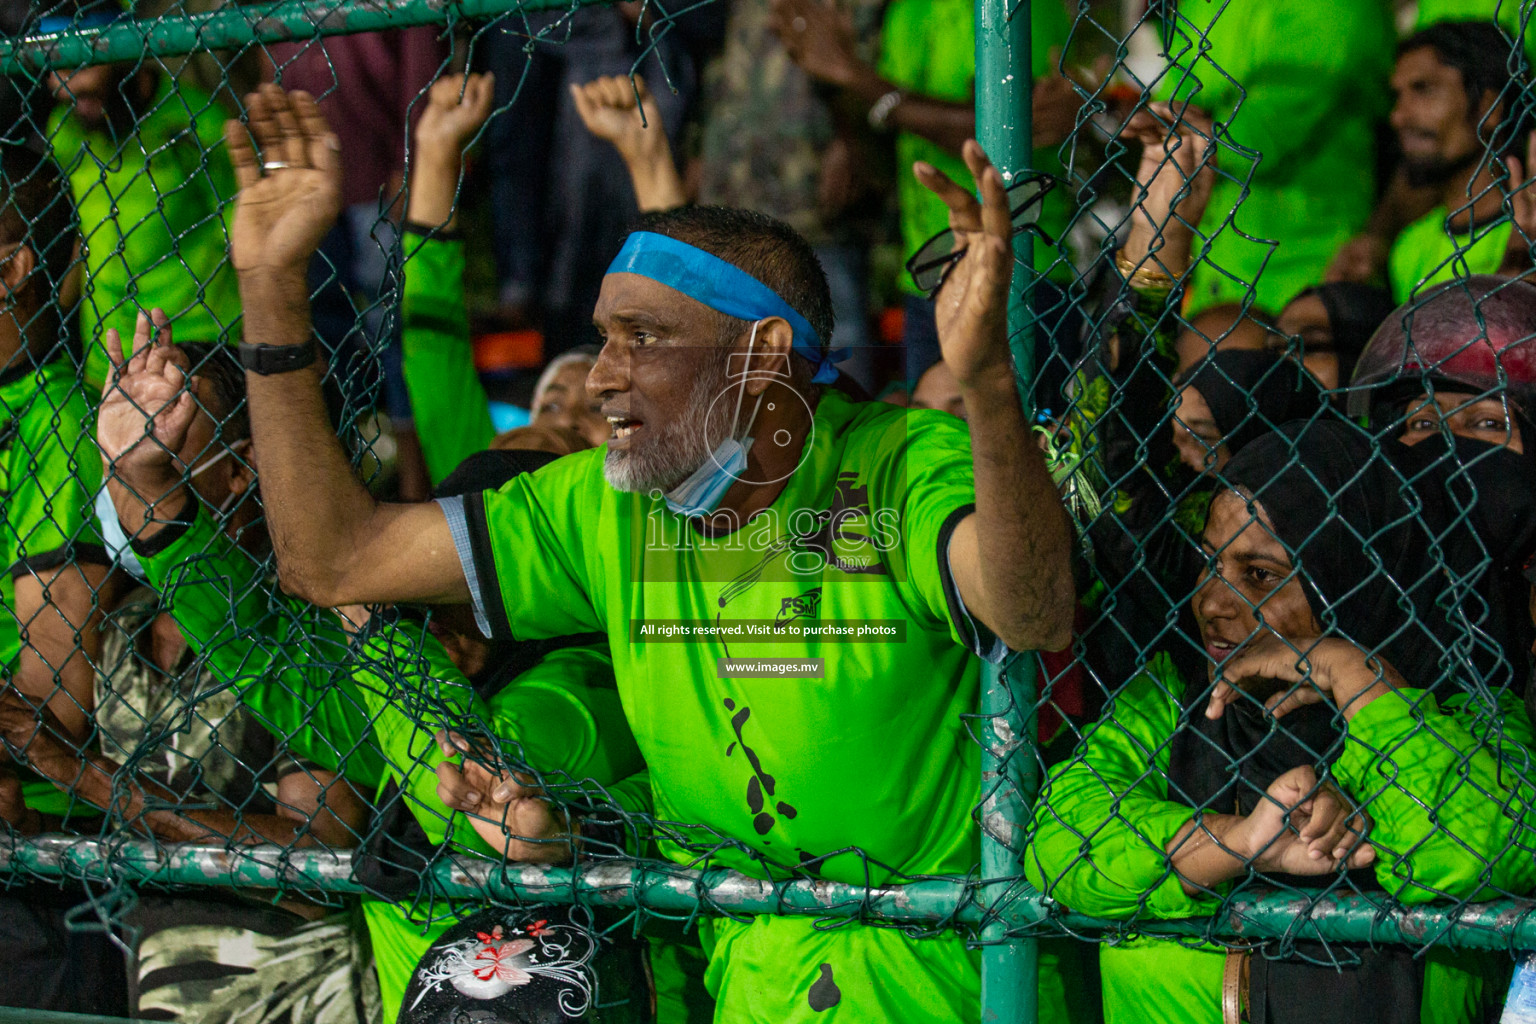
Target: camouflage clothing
point(228, 962)
point(216, 959)
point(766, 123)
point(186, 730)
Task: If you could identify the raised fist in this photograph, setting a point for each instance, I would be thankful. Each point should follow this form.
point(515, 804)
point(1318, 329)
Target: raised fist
point(456, 110)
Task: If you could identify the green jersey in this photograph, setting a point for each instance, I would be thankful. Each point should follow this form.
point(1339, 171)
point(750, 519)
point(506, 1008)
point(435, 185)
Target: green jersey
point(154, 215)
point(770, 774)
point(452, 413)
point(1434, 779)
point(370, 705)
point(928, 48)
point(50, 471)
point(1429, 252)
point(1296, 121)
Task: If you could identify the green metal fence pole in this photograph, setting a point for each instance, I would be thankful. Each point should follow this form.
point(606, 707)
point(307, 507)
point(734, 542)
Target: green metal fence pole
point(1009, 780)
point(666, 889)
point(236, 26)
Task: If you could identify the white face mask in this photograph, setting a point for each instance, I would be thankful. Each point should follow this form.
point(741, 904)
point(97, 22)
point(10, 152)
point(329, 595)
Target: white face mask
point(116, 539)
point(206, 466)
point(234, 496)
point(113, 537)
point(700, 494)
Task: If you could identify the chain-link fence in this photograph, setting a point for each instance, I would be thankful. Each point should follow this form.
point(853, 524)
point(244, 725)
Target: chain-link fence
point(1271, 311)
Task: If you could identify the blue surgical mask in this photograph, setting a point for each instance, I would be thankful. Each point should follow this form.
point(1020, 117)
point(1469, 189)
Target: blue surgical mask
point(114, 537)
point(700, 494)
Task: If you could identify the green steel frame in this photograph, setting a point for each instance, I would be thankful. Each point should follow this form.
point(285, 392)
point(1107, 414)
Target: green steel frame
point(1006, 911)
point(671, 890)
point(1010, 776)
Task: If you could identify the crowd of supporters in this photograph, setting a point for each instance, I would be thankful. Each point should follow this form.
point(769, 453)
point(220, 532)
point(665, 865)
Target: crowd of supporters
point(289, 566)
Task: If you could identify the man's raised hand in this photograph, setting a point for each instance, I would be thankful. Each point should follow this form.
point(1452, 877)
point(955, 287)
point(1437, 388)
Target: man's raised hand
point(972, 305)
point(1173, 182)
point(456, 110)
point(290, 192)
point(609, 108)
point(818, 37)
point(612, 108)
point(148, 405)
point(511, 814)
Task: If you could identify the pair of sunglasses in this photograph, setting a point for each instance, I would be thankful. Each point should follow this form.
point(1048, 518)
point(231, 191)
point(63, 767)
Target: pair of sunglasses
point(934, 259)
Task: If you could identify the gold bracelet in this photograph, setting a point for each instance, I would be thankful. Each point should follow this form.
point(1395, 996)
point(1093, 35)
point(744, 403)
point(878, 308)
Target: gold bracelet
point(1144, 277)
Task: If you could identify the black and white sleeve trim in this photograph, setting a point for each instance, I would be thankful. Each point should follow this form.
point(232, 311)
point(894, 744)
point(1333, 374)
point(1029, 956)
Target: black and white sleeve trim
point(472, 541)
point(979, 640)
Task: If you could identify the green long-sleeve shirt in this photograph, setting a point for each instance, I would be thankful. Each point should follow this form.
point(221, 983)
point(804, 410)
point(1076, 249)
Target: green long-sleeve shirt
point(1296, 88)
point(453, 415)
point(370, 706)
point(1447, 787)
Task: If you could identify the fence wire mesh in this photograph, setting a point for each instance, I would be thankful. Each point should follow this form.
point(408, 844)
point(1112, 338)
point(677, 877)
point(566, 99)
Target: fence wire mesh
point(1283, 351)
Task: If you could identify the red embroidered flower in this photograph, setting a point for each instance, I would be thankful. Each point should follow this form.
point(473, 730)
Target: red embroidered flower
point(496, 961)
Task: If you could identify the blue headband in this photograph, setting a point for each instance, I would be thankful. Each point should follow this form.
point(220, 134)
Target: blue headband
point(707, 278)
point(99, 18)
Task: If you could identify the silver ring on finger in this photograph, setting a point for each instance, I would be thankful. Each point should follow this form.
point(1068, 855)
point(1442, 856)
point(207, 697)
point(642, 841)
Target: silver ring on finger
point(275, 165)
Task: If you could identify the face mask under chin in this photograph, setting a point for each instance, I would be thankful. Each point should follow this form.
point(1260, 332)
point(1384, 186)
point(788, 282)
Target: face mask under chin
point(700, 494)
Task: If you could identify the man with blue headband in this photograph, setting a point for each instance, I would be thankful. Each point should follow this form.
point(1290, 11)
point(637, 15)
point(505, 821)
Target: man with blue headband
point(743, 510)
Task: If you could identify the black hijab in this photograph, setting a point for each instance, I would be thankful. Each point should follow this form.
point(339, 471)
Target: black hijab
point(1490, 493)
point(1354, 312)
point(1250, 393)
point(1361, 535)
point(1371, 535)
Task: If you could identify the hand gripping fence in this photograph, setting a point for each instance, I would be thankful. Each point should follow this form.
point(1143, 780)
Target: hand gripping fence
point(248, 763)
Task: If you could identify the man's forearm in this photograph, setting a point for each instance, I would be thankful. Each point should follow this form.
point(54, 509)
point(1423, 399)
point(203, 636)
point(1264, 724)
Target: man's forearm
point(153, 809)
point(315, 505)
point(59, 617)
point(434, 191)
point(945, 122)
point(1401, 204)
point(653, 173)
point(1023, 537)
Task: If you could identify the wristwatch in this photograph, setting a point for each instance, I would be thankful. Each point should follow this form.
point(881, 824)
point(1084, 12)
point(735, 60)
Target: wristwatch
point(882, 109)
point(269, 359)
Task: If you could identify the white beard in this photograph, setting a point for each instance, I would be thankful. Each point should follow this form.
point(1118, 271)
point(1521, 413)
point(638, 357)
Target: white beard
point(672, 454)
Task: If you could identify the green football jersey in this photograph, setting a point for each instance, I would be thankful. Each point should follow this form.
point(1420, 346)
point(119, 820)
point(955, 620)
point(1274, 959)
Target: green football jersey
point(51, 472)
point(771, 773)
point(856, 539)
point(1296, 124)
point(1428, 253)
point(155, 207)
